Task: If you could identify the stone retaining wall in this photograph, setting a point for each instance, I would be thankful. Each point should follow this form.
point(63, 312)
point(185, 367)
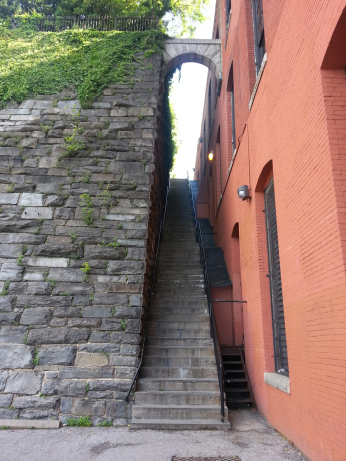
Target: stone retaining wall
point(70, 340)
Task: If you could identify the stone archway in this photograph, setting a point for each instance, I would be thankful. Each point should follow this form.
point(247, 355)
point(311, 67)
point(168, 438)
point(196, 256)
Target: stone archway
point(206, 52)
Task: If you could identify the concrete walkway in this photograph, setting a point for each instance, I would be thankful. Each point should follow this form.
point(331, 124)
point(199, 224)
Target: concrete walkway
point(251, 439)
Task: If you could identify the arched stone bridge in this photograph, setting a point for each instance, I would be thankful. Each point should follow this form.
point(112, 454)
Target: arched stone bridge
point(207, 52)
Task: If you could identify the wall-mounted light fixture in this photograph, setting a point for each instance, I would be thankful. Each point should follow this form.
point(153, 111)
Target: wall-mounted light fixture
point(244, 193)
point(211, 155)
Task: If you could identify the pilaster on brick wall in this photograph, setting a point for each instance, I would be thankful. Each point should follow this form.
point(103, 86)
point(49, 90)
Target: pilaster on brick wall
point(70, 339)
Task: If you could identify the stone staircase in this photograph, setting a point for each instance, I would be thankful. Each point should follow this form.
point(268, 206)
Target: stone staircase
point(178, 385)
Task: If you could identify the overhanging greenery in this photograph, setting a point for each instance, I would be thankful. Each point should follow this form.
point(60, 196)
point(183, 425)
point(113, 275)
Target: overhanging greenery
point(33, 63)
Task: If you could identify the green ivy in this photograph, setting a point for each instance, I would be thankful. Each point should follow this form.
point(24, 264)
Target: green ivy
point(169, 125)
point(33, 63)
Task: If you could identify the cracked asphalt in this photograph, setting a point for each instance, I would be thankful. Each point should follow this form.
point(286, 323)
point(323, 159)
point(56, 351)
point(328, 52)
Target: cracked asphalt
point(251, 439)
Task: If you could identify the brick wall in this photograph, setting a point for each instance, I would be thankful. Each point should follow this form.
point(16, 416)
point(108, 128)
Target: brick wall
point(296, 126)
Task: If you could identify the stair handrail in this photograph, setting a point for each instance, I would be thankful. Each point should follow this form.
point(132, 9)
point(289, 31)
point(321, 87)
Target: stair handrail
point(162, 222)
point(213, 326)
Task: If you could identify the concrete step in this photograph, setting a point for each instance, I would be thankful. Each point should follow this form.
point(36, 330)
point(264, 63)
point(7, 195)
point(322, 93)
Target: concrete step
point(179, 425)
point(189, 324)
point(170, 372)
point(178, 342)
point(155, 311)
point(163, 317)
point(179, 278)
point(186, 362)
point(179, 351)
point(176, 333)
point(177, 398)
point(176, 412)
point(178, 384)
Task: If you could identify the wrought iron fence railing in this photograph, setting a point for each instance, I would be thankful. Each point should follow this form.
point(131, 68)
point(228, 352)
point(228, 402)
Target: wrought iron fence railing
point(101, 23)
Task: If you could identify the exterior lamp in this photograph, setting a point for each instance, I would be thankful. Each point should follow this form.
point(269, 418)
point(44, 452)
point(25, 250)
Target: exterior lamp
point(243, 193)
point(211, 156)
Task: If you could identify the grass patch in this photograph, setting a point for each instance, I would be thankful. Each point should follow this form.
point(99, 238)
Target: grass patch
point(83, 421)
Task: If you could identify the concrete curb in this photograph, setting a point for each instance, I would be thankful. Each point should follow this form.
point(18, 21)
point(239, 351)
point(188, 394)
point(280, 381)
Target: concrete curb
point(30, 424)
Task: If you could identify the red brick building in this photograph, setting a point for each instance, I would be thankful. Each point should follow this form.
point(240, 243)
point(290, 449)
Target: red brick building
point(279, 127)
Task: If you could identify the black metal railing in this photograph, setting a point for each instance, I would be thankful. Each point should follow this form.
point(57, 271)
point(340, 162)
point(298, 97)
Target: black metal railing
point(162, 222)
point(213, 327)
point(101, 23)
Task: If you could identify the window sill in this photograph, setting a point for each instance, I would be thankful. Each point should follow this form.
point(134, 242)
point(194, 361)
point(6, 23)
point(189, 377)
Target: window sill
point(278, 381)
point(258, 79)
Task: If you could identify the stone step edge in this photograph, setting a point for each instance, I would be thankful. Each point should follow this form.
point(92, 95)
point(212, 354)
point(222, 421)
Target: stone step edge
point(30, 424)
point(184, 424)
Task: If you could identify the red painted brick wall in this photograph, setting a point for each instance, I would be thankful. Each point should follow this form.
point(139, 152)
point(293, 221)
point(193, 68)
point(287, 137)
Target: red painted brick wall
point(297, 122)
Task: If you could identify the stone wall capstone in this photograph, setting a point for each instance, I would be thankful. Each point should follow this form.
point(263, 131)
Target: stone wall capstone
point(79, 189)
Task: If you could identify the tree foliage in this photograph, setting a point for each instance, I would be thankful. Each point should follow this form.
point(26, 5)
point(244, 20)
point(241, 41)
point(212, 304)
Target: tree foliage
point(183, 13)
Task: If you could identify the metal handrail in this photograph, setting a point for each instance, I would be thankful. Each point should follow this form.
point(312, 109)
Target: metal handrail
point(213, 327)
point(162, 222)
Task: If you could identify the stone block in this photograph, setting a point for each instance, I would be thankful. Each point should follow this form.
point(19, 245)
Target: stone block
point(57, 355)
point(38, 288)
point(100, 395)
point(66, 275)
point(126, 338)
point(111, 299)
point(40, 403)
point(12, 335)
point(8, 414)
point(58, 336)
point(116, 126)
point(4, 376)
point(110, 325)
point(66, 405)
point(43, 301)
point(37, 213)
point(99, 347)
point(83, 407)
point(88, 359)
point(68, 388)
point(66, 311)
point(47, 262)
point(32, 200)
point(54, 200)
point(10, 151)
point(10, 250)
point(86, 323)
point(105, 253)
point(7, 303)
point(97, 311)
point(86, 373)
point(8, 199)
point(11, 272)
point(125, 372)
point(5, 400)
point(36, 316)
point(117, 409)
point(117, 361)
point(39, 414)
point(57, 250)
point(136, 300)
point(99, 337)
point(15, 356)
point(129, 349)
point(109, 385)
point(9, 318)
point(20, 238)
point(28, 143)
point(24, 382)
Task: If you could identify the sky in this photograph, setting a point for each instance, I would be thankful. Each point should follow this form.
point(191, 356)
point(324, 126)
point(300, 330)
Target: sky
point(188, 100)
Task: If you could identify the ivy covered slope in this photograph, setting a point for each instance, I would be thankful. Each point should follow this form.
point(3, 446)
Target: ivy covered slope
point(33, 63)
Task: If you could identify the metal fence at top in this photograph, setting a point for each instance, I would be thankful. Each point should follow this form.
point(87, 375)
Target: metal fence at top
point(102, 23)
